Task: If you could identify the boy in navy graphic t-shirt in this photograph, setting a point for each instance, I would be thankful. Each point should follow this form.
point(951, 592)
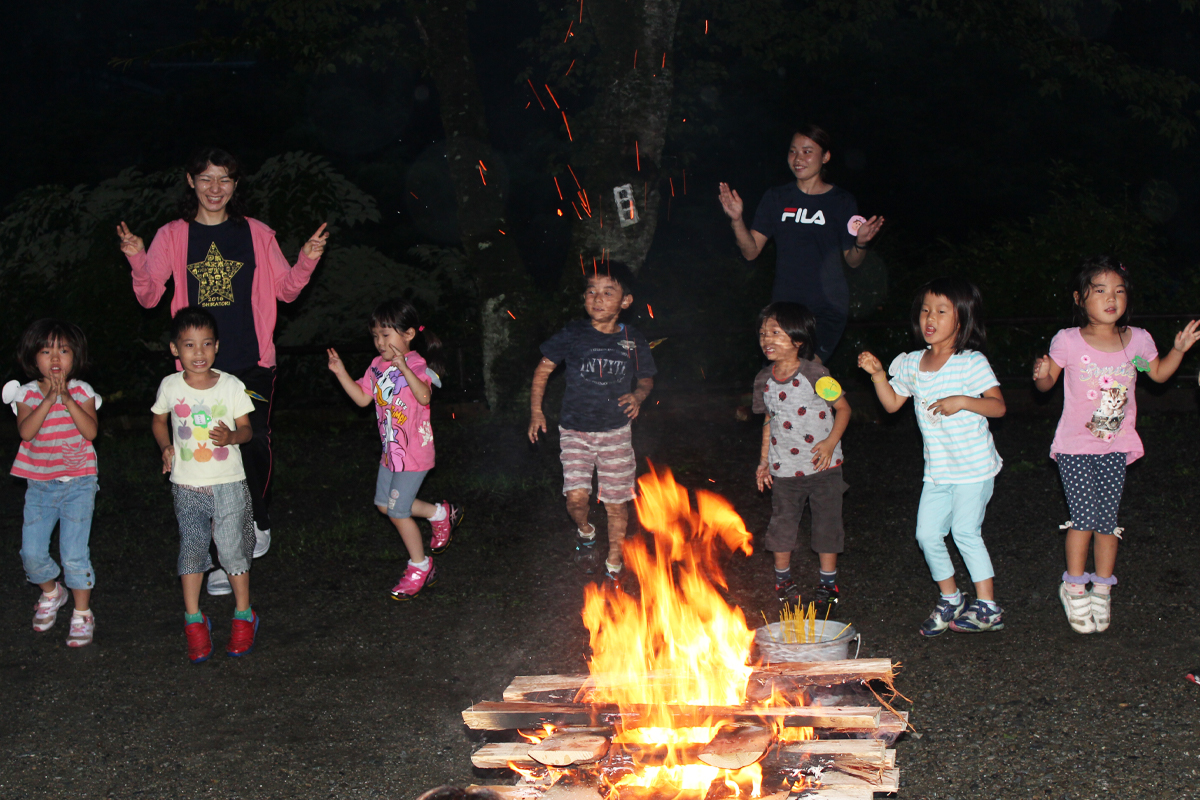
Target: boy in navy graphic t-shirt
point(603, 358)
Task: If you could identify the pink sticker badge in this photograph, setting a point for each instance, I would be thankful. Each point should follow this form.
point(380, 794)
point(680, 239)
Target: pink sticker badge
point(854, 224)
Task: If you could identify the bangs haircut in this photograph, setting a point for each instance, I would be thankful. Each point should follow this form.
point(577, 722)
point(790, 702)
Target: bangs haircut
point(44, 333)
point(1081, 284)
point(400, 315)
point(190, 317)
point(189, 204)
point(797, 322)
point(819, 135)
point(968, 308)
point(621, 275)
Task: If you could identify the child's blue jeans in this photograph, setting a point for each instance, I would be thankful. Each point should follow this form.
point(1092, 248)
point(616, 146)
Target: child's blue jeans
point(957, 508)
point(69, 504)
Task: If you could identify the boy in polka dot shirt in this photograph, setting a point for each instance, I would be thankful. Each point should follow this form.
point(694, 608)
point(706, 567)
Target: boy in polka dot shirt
point(806, 415)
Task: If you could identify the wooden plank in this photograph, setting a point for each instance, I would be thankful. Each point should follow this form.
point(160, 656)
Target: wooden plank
point(736, 746)
point(497, 755)
point(889, 781)
point(794, 753)
point(790, 676)
point(493, 716)
point(565, 749)
point(829, 793)
point(565, 688)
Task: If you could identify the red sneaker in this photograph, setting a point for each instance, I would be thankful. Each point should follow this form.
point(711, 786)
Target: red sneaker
point(413, 581)
point(241, 638)
point(443, 529)
point(199, 640)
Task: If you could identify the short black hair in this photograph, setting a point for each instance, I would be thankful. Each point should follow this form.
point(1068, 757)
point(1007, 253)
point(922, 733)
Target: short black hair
point(193, 317)
point(968, 308)
point(198, 161)
point(797, 322)
point(44, 333)
point(621, 275)
point(1081, 284)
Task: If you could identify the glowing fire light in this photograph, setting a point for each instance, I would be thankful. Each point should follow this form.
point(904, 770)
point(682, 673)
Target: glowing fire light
point(511, 314)
point(569, 136)
point(680, 629)
point(650, 310)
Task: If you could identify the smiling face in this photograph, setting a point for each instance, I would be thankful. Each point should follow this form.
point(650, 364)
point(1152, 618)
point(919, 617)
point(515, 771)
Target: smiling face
point(213, 188)
point(805, 158)
point(604, 300)
point(775, 343)
point(55, 360)
point(938, 319)
point(1105, 300)
point(390, 342)
point(196, 349)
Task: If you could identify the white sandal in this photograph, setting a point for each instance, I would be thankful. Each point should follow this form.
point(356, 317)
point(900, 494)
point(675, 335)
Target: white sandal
point(1078, 608)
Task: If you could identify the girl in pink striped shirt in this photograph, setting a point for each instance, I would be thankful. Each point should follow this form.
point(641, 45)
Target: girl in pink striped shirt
point(56, 417)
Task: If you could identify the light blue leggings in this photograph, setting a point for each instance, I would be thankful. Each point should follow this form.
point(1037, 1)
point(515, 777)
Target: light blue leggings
point(957, 508)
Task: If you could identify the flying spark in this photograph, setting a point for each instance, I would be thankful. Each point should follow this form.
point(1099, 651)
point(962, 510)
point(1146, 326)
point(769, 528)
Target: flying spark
point(637, 152)
point(569, 34)
point(560, 197)
point(556, 105)
point(650, 310)
point(635, 59)
point(568, 72)
point(511, 314)
point(535, 94)
point(569, 136)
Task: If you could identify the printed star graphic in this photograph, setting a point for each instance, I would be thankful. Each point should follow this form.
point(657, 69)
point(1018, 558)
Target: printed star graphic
point(215, 276)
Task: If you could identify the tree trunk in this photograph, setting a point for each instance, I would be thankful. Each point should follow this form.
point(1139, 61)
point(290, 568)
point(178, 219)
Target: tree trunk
point(500, 276)
point(628, 125)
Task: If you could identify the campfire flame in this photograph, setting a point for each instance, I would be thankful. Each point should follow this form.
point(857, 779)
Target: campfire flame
point(679, 644)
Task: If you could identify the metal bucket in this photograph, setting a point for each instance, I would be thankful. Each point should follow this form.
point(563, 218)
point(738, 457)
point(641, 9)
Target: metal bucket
point(832, 644)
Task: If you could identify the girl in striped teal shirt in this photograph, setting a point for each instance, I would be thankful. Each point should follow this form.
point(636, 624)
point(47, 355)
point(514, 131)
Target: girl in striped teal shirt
point(954, 391)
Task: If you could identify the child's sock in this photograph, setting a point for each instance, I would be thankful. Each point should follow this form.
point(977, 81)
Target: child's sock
point(991, 604)
point(440, 514)
point(423, 565)
point(1100, 585)
point(953, 599)
point(1101, 588)
point(248, 614)
point(589, 535)
point(58, 590)
point(613, 570)
point(828, 578)
point(1076, 584)
point(190, 618)
point(81, 612)
point(782, 575)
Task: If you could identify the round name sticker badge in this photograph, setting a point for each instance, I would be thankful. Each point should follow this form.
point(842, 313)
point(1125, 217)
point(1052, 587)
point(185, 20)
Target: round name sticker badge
point(828, 388)
point(854, 224)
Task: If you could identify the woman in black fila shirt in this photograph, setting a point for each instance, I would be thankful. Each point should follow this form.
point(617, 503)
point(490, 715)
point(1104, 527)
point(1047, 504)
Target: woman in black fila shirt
point(816, 227)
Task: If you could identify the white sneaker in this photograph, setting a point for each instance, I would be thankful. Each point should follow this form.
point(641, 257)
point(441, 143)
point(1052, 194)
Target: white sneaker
point(1101, 605)
point(82, 629)
point(218, 583)
point(1079, 610)
point(262, 541)
point(45, 613)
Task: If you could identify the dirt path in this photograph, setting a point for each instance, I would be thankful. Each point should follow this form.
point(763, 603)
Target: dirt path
point(350, 694)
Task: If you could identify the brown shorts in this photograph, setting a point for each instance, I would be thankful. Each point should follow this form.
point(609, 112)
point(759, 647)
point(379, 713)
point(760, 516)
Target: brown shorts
point(823, 491)
point(608, 453)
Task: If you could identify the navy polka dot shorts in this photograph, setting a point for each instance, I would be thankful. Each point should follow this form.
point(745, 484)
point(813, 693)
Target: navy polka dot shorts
point(1093, 485)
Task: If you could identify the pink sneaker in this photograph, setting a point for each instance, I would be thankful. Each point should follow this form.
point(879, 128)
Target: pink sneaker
point(414, 581)
point(45, 613)
point(443, 529)
point(82, 629)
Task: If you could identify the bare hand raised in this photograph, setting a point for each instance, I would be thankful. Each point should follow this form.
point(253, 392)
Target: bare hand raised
point(1188, 336)
point(868, 230)
point(315, 246)
point(131, 244)
point(868, 361)
point(731, 202)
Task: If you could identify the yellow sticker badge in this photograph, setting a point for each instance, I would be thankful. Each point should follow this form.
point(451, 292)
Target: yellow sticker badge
point(828, 388)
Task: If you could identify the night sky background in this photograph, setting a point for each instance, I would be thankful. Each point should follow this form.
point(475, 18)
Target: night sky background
point(945, 139)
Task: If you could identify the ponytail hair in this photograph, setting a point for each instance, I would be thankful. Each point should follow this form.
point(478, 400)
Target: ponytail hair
point(400, 315)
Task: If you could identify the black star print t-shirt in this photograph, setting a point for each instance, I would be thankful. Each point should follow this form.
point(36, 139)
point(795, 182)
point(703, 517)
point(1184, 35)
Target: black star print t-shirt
point(220, 273)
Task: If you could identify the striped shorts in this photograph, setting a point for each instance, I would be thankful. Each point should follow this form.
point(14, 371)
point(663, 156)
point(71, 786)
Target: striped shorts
point(609, 453)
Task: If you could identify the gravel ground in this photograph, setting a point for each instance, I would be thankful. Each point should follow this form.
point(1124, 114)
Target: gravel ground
point(350, 694)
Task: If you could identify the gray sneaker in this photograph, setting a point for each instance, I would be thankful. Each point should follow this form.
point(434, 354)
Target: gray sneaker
point(945, 613)
point(218, 583)
point(262, 541)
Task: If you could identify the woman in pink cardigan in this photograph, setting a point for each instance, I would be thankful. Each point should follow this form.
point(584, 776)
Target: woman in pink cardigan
point(231, 266)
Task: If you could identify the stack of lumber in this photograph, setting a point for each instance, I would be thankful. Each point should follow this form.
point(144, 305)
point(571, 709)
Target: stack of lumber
point(854, 764)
